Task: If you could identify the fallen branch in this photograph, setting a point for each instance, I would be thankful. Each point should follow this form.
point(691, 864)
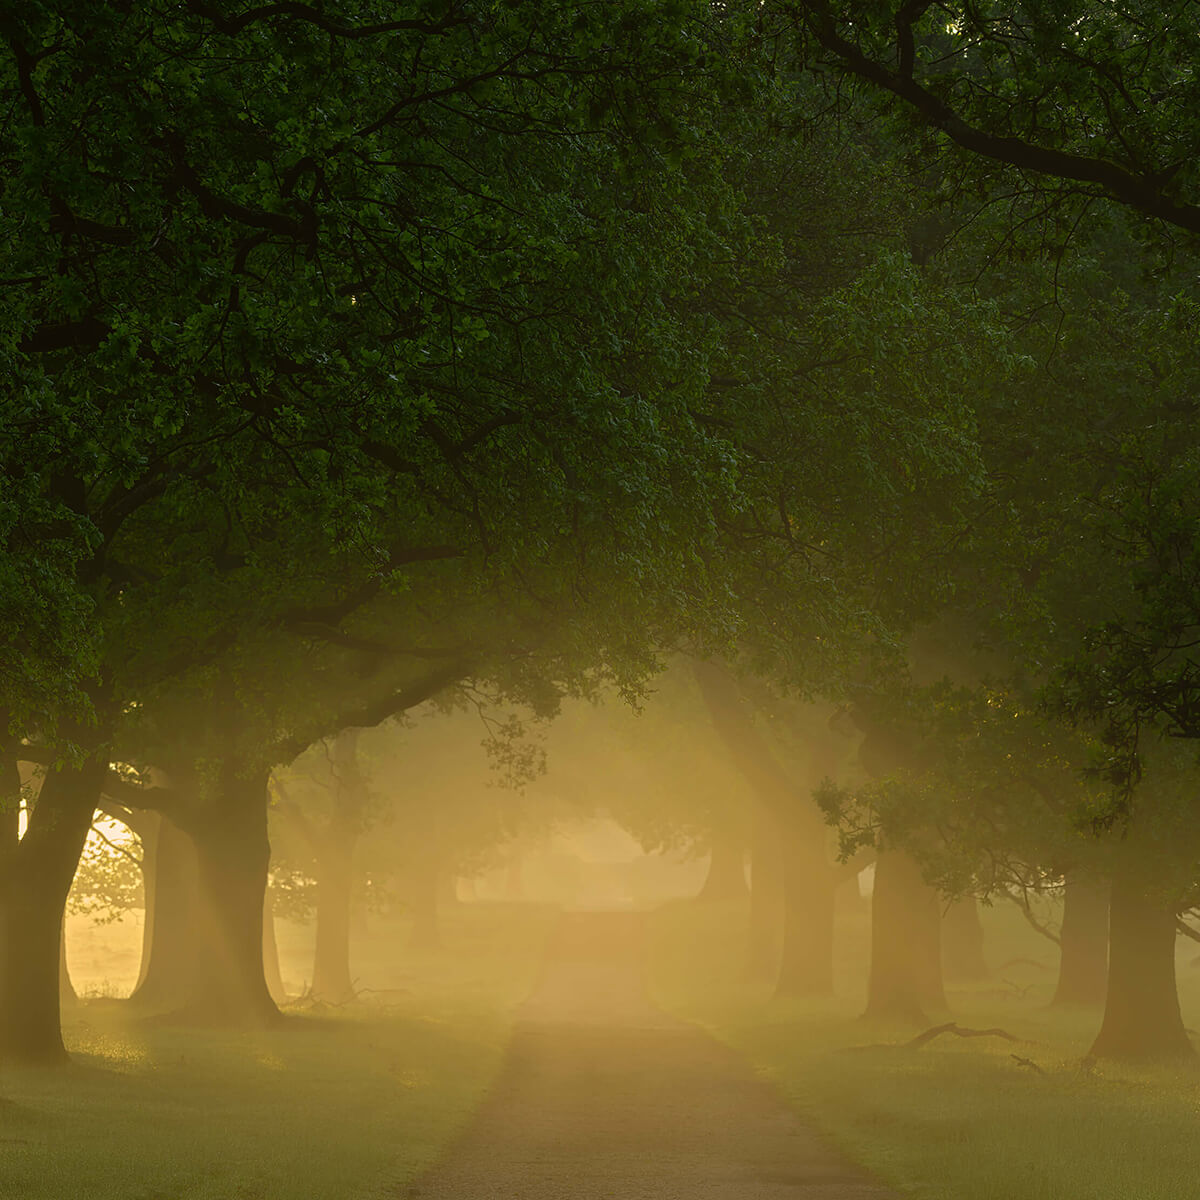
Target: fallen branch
point(958, 1031)
point(936, 1031)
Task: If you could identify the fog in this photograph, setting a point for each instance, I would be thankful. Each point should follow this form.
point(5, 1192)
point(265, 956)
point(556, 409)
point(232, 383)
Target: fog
point(578, 914)
point(599, 602)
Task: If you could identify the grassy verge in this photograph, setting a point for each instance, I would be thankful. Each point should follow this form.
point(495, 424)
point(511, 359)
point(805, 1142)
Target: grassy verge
point(346, 1103)
point(957, 1119)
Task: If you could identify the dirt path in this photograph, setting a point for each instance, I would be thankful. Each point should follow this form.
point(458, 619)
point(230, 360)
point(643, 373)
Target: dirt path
point(603, 1097)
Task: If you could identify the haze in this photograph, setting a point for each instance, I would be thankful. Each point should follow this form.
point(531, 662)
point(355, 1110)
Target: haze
point(599, 601)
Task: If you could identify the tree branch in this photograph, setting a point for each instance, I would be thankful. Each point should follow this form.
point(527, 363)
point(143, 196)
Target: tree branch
point(1141, 192)
point(287, 749)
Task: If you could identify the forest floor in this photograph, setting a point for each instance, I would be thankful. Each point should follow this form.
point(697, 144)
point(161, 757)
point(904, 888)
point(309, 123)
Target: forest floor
point(604, 1097)
point(957, 1119)
point(339, 1105)
point(450, 1067)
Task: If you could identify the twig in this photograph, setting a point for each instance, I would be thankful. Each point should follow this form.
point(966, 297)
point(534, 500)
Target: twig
point(1022, 902)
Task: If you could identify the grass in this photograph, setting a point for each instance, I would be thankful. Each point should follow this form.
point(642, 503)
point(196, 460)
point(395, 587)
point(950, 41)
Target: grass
point(347, 1103)
point(957, 1119)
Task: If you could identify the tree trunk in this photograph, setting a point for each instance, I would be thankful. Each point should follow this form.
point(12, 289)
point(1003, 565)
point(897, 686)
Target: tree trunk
point(1083, 963)
point(271, 952)
point(331, 961)
point(33, 895)
point(905, 980)
point(67, 995)
point(766, 898)
point(806, 953)
point(1142, 1022)
point(962, 942)
point(233, 855)
point(334, 850)
point(170, 876)
point(726, 878)
point(809, 888)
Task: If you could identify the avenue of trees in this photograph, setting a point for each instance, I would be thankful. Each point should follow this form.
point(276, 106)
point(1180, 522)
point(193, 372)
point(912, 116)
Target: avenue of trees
point(359, 356)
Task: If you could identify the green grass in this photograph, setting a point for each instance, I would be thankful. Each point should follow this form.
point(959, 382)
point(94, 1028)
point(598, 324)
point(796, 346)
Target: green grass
point(957, 1119)
point(345, 1104)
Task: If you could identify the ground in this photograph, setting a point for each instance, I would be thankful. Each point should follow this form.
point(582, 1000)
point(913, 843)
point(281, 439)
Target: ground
point(604, 1097)
point(449, 1065)
point(956, 1119)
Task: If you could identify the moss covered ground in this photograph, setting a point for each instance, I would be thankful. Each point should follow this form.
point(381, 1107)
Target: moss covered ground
point(958, 1119)
point(341, 1103)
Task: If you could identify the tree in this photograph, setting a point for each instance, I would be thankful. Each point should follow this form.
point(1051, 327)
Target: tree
point(249, 359)
point(809, 879)
point(977, 76)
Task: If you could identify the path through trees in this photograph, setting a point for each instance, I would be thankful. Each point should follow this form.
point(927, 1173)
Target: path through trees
point(603, 1095)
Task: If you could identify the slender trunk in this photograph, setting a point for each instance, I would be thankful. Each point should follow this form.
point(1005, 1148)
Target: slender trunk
point(331, 961)
point(233, 855)
point(766, 898)
point(335, 873)
point(1083, 964)
point(806, 954)
point(905, 980)
point(169, 934)
point(726, 879)
point(270, 950)
point(33, 896)
point(962, 942)
point(1142, 1022)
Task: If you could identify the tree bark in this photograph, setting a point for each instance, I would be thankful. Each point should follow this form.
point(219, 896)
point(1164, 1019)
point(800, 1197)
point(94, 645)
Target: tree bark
point(233, 855)
point(962, 942)
point(1142, 1022)
point(67, 995)
point(905, 980)
point(726, 878)
point(331, 960)
point(1083, 961)
point(271, 970)
point(33, 893)
point(170, 875)
point(334, 849)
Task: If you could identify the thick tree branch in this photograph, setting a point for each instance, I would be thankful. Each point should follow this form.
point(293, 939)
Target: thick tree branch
point(285, 750)
point(1145, 193)
point(132, 795)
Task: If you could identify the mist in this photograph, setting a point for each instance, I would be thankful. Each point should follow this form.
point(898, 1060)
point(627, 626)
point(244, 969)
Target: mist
point(599, 600)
